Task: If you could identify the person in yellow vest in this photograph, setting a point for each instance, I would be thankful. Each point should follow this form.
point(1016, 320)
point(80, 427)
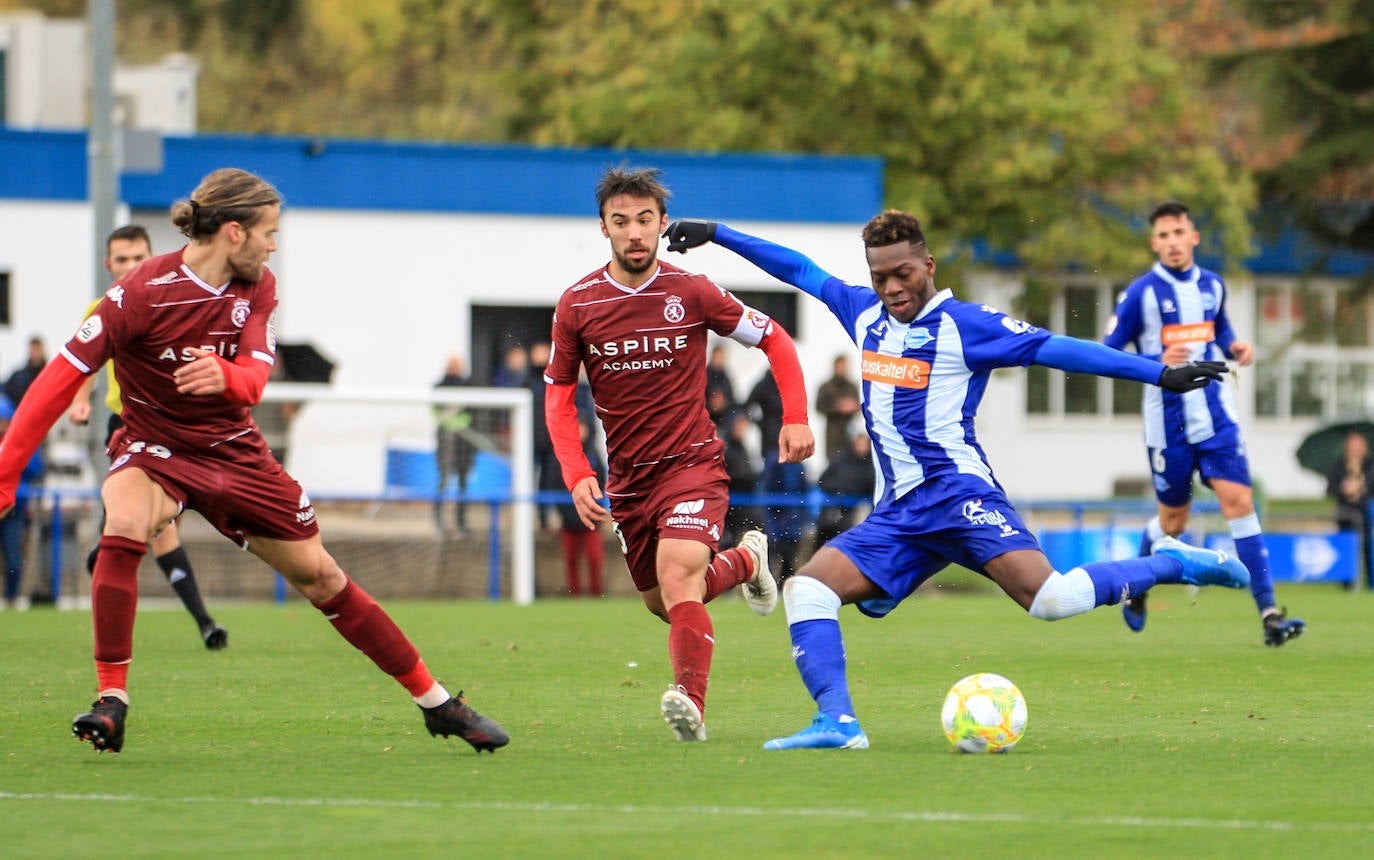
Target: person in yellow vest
point(125, 248)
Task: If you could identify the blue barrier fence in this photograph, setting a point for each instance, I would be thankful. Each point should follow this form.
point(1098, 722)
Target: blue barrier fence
point(1114, 533)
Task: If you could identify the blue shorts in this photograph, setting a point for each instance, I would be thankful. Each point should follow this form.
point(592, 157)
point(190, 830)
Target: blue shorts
point(956, 519)
point(1222, 456)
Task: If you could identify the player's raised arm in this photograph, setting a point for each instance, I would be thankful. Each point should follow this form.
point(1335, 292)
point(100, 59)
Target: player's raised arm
point(1073, 355)
point(783, 263)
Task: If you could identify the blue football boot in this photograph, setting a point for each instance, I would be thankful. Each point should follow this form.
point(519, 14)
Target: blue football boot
point(1203, 566)
point(824, 733)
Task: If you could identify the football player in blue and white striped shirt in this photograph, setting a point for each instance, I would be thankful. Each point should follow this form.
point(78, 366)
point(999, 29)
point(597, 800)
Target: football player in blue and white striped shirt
point(1177, 312)
point(926, 358)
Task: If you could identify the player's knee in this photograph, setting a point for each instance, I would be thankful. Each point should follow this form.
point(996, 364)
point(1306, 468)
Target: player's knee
point(808, 599)
point(1063, 595)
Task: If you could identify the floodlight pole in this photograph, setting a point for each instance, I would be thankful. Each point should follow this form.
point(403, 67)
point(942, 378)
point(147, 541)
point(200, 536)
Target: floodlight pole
point(103, 180)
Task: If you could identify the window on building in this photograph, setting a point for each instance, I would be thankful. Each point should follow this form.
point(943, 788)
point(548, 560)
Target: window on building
point(781, 306)
point(4, 298)
point(1315, 342)
point(1078, 307)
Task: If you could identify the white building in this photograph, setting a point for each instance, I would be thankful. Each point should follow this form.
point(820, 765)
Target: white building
point(395, 255)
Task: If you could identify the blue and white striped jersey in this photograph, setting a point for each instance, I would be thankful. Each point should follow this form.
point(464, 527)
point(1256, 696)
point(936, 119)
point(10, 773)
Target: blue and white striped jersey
point(921, 382)
point(1164, 307)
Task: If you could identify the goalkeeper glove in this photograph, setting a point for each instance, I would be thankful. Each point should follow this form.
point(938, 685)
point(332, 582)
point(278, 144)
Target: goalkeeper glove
point(1190, 375)
point(687, 233)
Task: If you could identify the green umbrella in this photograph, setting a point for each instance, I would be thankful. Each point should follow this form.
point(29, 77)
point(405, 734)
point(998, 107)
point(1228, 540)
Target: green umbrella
point(1324, 446)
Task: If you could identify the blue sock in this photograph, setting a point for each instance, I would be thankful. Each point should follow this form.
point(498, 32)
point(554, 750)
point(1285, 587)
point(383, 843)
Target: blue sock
point(1254, 554)
point(1153, 532)
point(1133, 576)
point(818, 648)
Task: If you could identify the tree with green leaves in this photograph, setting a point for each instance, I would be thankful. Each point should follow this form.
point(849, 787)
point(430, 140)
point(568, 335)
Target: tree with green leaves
point(1309, 67)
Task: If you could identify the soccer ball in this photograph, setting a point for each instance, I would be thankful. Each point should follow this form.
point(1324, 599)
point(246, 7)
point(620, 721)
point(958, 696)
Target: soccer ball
point(984, 713)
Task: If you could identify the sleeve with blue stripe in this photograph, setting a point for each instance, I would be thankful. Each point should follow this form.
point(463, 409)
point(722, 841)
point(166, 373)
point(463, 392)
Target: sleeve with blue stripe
point(1072, 355)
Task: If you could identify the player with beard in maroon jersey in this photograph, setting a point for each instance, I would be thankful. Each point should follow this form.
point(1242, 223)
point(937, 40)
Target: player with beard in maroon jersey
point(194, 336)
point(640, 328)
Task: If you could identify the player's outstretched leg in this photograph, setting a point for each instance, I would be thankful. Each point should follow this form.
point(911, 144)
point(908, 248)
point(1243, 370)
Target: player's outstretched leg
point(1279, 628)
point(1203, 566)
point(103, 725)
point(456, 717)
point(761, 589)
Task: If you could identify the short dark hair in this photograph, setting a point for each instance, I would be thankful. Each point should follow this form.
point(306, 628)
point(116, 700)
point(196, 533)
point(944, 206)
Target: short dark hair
point(891, 227)
point(643, 182)
point(1168, 209)
point(129, 233)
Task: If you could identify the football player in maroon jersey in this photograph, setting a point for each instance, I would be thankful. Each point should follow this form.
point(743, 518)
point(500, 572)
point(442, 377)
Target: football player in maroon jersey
point(194, 334)
point(640, 327)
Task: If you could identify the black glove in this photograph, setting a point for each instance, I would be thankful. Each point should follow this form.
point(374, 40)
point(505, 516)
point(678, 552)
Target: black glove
point(1190, 375)
point(687, 233)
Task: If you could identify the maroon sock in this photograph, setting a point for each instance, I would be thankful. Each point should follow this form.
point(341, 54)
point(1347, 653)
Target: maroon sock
point(727, 569)
point(568, 541)
point(368, 628)
point(596, 560)
point(690, 645)
point(114, 597)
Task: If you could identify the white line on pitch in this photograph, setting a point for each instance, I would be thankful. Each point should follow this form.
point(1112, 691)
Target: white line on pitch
point(853, 814)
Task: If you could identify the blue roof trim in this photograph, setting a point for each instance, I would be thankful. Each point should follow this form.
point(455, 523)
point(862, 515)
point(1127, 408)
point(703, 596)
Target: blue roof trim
point(515, 180)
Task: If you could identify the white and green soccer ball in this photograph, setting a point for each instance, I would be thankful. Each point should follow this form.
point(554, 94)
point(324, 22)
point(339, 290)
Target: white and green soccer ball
point(984, 713)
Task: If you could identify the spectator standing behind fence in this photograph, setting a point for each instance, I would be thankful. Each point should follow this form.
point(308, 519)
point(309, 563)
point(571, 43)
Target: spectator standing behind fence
point(838, 400)
point(194, 335)
point(14, 525)
point(849, 473)
point(125, 248)
point(718, 377)
point(1350, 481)
point(734, 428)
point(20, 380)
point(548, 477)
point(455, 450)
point(785, 523)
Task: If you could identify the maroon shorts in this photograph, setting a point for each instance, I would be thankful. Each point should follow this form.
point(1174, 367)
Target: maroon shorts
point(676, 501)
point(241, 490)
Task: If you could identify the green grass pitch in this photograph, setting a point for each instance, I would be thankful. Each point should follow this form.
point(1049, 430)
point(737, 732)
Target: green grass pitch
point(1189, 740)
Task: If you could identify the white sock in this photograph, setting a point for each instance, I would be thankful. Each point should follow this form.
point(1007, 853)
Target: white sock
point(435, 697)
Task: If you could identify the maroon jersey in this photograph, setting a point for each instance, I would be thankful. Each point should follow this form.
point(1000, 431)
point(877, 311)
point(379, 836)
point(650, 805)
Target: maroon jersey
point(149, 321)
point(645, 353)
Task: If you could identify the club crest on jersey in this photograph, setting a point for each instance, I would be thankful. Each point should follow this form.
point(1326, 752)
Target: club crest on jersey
point(1209, 300)
point(756, 319)
point(240, 313)
point(673, 311)
point(90, 329)
point(917, 338)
